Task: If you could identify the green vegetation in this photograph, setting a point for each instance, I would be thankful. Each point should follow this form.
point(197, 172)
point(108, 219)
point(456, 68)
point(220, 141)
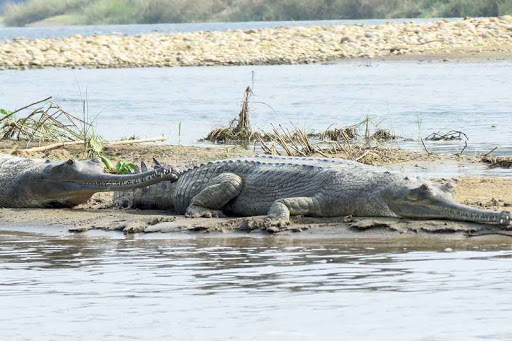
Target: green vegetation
point(21, 14)
point(122, 167)
point(178, 11)
point(48, 122)
point(5, 112)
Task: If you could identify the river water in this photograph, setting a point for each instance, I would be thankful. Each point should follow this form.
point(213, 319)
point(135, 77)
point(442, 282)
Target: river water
point(67, 31)
point(103, 286)
point(411, 98)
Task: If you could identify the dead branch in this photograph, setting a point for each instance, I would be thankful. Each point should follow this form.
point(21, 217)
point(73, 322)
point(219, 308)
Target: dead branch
point(424, 146)
point(449, 136)
point(463, 149)
point(489, 153)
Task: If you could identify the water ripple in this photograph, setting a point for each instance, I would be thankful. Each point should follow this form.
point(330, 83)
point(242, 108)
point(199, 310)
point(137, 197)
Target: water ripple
point(212, 287)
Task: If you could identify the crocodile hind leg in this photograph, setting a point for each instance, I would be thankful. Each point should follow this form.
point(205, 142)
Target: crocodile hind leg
point(281, 209)
point(209, 202)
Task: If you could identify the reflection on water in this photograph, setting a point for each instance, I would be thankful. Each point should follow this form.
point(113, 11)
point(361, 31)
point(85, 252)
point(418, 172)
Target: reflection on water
point(146, 287)
point(407, 97)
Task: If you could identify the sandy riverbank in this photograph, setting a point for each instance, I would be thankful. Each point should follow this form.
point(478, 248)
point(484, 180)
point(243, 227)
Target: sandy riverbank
point(99, 214)
point(285, 45)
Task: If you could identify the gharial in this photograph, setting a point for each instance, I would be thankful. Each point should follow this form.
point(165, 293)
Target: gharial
point(282, 186)
point(43, 183)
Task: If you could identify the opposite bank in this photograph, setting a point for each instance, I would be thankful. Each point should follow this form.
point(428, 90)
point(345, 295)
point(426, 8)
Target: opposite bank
point(284, 45)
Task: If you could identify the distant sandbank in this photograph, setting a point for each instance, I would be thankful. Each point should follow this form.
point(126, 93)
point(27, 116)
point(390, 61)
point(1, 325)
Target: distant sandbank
point(283, 45)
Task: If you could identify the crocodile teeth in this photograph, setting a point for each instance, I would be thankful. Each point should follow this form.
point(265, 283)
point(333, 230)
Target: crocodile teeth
point(157, 173)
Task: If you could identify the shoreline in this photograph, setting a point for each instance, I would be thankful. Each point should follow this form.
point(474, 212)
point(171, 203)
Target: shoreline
point(99, 214)
point(485, 37)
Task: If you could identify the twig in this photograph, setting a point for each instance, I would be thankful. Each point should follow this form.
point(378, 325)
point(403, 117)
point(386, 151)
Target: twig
point(343, 148)
point(291, 139)
point(426, 150)
point(264, 146)
point(268, 105)
point(464, 148)
point(487, 154)
point(25, 107)
point(110, 143)
point(281, 141)
point(451, 135)
point(362, 156)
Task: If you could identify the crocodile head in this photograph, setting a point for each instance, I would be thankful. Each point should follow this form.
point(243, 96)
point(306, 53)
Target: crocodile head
point(426, 200)
point(69, 183)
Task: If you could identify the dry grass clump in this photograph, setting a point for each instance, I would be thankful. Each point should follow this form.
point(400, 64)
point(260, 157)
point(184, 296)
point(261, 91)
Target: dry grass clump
point(339, 134)
point(239, 129)
point(352, 142)
point(294, 143)
point(43, 121)
point(382, 135)
point(48, 126)
point(497, 161)
point(297, 142)
point(366, 130)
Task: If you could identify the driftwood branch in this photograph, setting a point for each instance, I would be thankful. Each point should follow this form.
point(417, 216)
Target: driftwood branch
point(451, 135)
point(149, 139)
point(108, 143)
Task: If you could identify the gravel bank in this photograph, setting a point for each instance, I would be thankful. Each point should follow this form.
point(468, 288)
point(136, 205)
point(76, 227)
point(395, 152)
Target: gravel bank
point(285, 45)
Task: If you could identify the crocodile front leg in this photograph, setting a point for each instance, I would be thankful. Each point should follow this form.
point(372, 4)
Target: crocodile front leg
point(209, 202)
point(280, 211)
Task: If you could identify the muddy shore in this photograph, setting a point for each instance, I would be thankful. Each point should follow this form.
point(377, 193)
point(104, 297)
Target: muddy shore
point(99, 213)
point(489, 37)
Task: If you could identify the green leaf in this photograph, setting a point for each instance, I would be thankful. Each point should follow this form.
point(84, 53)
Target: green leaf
point(96, 146)
point(108, 164)
point(5, 112)
point(123, 167)
point(119, 166)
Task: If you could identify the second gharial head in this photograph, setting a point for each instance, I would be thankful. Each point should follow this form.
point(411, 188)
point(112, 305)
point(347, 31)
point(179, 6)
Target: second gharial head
point(71, 182)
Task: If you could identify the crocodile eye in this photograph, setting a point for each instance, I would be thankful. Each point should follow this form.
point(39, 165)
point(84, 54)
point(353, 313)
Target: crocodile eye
point(449, 187)
point(425, 187)
point(70, 162)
